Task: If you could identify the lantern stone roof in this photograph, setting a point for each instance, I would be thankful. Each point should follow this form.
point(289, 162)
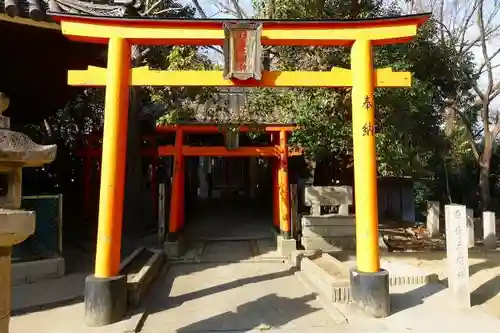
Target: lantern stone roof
point(32, 11)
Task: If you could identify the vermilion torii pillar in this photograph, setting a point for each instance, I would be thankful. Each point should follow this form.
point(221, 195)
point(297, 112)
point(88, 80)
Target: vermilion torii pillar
point(104, 300)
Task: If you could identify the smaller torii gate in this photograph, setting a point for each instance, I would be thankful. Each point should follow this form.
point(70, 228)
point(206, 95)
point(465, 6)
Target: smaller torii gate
point(105, 291)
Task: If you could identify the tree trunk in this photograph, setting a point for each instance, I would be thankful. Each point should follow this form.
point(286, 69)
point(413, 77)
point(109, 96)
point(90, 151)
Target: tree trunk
point(484, 182)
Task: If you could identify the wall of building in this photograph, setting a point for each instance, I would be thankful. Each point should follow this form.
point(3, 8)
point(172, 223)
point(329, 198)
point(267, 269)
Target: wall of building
point(396, 199)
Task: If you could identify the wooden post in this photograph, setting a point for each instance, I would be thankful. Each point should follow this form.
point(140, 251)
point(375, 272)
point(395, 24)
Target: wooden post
point(113, 160)
point(177, 195)
point(284, 189)
point(365, 166)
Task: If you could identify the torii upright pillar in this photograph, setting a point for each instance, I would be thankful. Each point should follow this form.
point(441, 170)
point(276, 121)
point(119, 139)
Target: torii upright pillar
point(369, 284)
point(106, 290)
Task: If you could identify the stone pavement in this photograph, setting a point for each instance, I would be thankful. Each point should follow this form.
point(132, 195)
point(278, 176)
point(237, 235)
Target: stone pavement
point(420, 309)
point(232, 297)
point(230, 294)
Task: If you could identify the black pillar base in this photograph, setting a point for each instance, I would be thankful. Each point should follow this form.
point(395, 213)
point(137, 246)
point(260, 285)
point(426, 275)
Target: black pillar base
point(172, 236)
point(370, 292)
point(285, 234)
point(105, 300)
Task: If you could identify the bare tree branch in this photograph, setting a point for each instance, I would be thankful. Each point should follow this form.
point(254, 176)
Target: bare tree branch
point(239, 11)
point(200, 10)
point(489, 60)
point(484, 49)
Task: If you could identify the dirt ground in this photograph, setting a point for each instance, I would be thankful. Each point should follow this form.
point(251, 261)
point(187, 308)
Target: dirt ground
point(411, 245)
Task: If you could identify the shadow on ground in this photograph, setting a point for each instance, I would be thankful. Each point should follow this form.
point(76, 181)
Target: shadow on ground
point(482, 294)
point(250, 316)
point(266, 299)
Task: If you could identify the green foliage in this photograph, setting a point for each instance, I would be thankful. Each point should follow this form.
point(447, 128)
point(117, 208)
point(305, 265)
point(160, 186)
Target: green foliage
point(408, 120)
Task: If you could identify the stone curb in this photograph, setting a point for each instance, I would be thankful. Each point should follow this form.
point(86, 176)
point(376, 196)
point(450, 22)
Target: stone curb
point(328, 306)
point(341, 294)
point(413, 280)
point(340, 289)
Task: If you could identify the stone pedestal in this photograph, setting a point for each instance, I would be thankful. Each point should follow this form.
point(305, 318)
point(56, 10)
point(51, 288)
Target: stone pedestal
point(489, 230)
point(433, 218)
point(15, 227)
point(175, 248)
point(286, 246)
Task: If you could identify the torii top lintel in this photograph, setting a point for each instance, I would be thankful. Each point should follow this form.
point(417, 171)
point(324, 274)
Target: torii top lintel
point(154, 31)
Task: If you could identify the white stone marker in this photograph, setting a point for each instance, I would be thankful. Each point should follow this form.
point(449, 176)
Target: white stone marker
point(433, 218)
point(470, 227)
point(457, 253)
point(489, 230)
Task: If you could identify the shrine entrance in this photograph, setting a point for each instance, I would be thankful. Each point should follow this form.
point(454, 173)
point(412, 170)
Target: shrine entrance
point(105, 296)
point(227, 196)
point(234, 199)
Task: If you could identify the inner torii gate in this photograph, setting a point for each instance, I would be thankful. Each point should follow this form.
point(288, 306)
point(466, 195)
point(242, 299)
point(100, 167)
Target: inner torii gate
point(105, 290)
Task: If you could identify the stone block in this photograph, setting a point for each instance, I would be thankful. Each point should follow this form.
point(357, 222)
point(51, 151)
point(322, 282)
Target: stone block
point(138, 284)
point(457, 252)
point(489, 230)
point(15, 226)
point(175, 249)
point(320, 278)
point(328, 220)
point(33, 271)
point(286, 246)
point(433, 218)
point(328, 195)
point(330, 231)
point(295, 257)
point(330, 244)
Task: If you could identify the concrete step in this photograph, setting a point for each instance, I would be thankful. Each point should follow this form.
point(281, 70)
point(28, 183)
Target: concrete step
point(328, 306)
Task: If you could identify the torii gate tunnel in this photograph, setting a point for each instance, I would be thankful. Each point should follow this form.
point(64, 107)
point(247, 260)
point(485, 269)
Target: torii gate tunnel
point(104, 300)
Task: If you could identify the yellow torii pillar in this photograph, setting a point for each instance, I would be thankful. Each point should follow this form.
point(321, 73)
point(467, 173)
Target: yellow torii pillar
point(105, 291)
point(369, 284)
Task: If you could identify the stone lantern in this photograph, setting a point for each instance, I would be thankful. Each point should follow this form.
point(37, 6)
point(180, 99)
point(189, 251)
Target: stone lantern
point(16, 151)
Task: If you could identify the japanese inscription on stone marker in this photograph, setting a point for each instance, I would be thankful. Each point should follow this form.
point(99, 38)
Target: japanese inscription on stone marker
point(457, 253)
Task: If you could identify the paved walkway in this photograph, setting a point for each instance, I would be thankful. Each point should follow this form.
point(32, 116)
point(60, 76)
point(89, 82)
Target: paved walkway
point(422, 309)
point(232, 297)
point(224, 291)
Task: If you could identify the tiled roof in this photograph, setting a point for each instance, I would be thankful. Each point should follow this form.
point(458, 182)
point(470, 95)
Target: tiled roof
point(36, 9)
